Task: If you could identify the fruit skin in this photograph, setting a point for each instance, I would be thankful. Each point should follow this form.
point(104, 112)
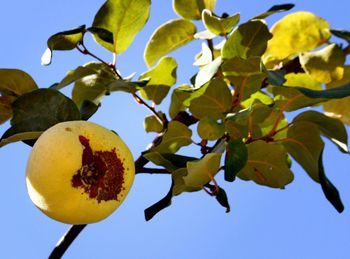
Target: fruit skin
point(58, 155)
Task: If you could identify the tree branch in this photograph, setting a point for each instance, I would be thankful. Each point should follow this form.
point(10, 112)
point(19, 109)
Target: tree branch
point(66, 240)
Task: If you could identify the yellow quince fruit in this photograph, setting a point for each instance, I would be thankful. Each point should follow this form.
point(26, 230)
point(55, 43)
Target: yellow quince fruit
point(79, 172)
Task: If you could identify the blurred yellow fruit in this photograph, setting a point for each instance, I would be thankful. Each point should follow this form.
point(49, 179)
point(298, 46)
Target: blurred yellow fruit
point(79, 172)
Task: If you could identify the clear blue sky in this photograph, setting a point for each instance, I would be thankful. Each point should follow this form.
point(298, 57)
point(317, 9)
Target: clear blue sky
point(264, 223)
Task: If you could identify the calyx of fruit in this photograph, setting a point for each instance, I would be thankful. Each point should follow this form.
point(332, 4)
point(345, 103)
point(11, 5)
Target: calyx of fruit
point(79, 172)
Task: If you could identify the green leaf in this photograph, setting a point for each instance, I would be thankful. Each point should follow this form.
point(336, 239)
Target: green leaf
point(245, 86)
point(295, 33)
point(207, 72)
point(177, 100)
point(15, 82)
point(241, 67)
point(214, 102)
point(324, 65)
point(217, 25)
point(124, 19)
point(197, 174)
point(235, 158)
point(339, 108)
point(162, 77)
point(329, 190)
point(221, 197)
point(342, 34)
point(91, 87)
point(152, 123)
point(274, 9)
point(176, 136)
point(249, 39)
point(170, 162)
point(330, 127)
point(32, 135)
point(192, 9)
point(168, 37)
point(103, 34)
point(165, 202)
point(87, 109)
point(5, 108)
point(65, 40)
point(267, 165)
point(210, 129)
point(79, 73)
point(39, 110)
point(305, 145)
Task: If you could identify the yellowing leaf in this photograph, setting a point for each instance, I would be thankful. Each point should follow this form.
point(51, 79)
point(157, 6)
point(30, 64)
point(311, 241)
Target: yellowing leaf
point(192, 9)
point(176, 136)
point(339, 108)
point(162, 77)
point(303, 80)
point(152, 124)
point(267, 165)
point(15, 82)
point(217, 25)
point(168, 37)
point(214, 102)
point(177, 100)
point(124, 19)
point(324, 65)
point(295, 33)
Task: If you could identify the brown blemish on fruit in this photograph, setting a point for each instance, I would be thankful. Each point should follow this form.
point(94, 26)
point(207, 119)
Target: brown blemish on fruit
point(101, 175)
point(68, 129)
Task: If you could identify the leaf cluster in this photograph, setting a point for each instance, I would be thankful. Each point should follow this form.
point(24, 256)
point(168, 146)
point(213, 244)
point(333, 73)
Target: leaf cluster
point(234, 111)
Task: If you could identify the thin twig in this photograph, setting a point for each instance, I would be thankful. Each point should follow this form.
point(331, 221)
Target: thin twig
point(66, 240)
point(153, 171)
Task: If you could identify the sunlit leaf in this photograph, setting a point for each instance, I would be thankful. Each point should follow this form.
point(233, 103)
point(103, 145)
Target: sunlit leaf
point(162, 77)
point(329, 190)
point(217, 25)
point(168, 37)
point(210, 129)
point(124, 19)
point(274, 9)
point(152, 124)
point(207, 72)
point(303, 80)
point(79, 73)
point(177, 100)
point(249, 39)
point(32, 135)
point(15, 82)
point(91, 87)
point(330, 127)
point(324, 65)
point(339, 108)
point(192, 9)
point(305, 145)
point(201, 172)
point(296, 33)
point(176, 136)
point(235, 158)
point(65, 40)
point(214, 102)
point(205, 57)
point(267, 165)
